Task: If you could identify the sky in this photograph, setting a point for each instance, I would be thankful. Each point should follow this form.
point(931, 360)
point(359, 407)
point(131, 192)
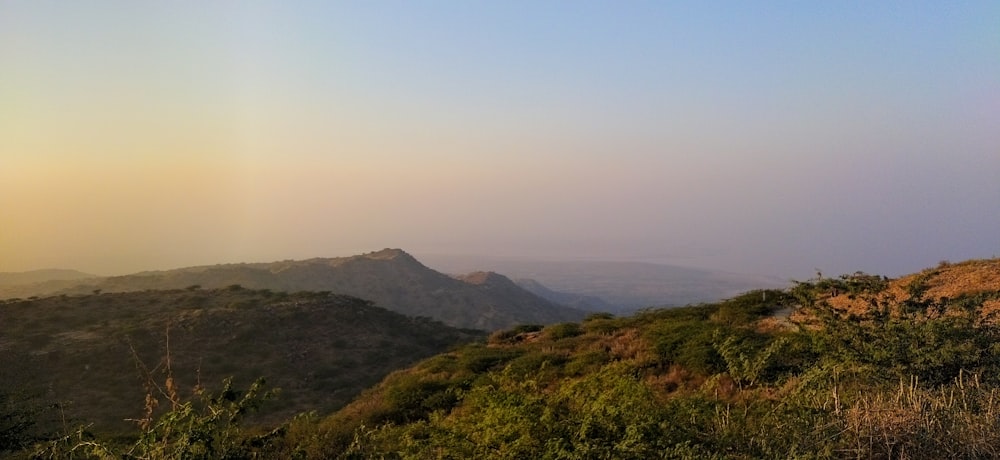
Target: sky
point(776, 137)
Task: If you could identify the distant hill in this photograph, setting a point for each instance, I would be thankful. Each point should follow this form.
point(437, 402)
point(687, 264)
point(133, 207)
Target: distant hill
point(625, 286)
point(320, 349)
point(40, 282)
point(391, 278)
point(578, 301)
point(40, 276)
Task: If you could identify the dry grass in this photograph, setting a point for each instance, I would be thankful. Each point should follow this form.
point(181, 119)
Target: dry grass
point(991, 308)
point(676, 379)
point(628, 344)
point(945, 281)
point(958, 421)
point(774, 325)
point(971, 277)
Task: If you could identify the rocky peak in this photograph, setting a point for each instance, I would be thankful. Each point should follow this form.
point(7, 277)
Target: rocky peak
point(482, 278)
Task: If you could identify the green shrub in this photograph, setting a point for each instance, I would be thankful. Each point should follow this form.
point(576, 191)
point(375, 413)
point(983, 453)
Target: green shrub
point(590, 361)
point(690, 344)
point(477, 358)
point(598, 317)
point(413, 397)
point(514, 334)
point(206, 428)
point(562, 331)
point(601, 323)
point(17, 422)
point(529, 364)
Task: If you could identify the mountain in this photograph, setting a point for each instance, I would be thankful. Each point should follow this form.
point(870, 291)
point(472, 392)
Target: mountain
point(41, 276)
point(40, 282)
point(391, 278)
point(578, 301)
point(625, 286)
point(94, 354)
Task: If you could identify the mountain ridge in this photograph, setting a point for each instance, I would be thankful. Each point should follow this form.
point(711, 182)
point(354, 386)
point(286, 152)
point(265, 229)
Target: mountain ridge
point(621, 286)
point(391, 278)
point(580, 301)
point(855, 355)
point(322, 348)
point(42, 276)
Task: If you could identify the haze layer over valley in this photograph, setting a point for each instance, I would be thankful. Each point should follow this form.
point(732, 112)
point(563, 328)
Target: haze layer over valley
point(769, 139)
point(202, 190)
point(612, 286)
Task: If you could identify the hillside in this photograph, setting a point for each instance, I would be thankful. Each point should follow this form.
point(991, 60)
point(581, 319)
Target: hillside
point(390, 278)
point(855, 293)
point(40, 282)
point(914, 376)
point(579, 301)
point(862, 367)
point(321, 349)
point(41, 276)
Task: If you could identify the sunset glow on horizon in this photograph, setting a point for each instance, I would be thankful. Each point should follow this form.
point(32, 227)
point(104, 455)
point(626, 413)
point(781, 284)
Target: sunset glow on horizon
point(773, 138)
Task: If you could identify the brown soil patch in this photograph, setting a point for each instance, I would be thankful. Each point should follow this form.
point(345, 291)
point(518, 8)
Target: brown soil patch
point(970, 277)
point(947, 280)
point(991, 309)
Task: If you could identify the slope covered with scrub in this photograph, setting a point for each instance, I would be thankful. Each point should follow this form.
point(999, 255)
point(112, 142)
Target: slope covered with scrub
point(908, 370)
point(390, 278)
point(858, 366)
point(96, 357)
point(943, 283)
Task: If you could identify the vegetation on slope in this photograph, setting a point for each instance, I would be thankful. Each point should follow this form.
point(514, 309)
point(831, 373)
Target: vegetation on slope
point(912, 377)
point(390, 278)
point(96, 357)
point(41, 276)
point(888, 376)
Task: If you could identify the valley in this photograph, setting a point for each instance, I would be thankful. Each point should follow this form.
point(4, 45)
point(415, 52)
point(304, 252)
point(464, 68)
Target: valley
point(857, 365)
point(612, 286)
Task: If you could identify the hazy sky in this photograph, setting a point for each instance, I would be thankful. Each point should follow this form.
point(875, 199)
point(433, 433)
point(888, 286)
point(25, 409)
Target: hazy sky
point(766, 137)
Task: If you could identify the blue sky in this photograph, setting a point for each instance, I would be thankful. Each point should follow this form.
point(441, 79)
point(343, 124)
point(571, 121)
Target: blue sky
point(770, 137)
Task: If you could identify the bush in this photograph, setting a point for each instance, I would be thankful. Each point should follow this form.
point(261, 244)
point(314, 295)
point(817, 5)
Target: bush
point(562, 331)
point(477, 359)
point(17, 422)
point(747, 308)
point(598, 317)
point(587, 362)
point(206, 428)
point(688, 343)
point(414, 397)
point(601, 323)
point(533, 362)
point(513, 335)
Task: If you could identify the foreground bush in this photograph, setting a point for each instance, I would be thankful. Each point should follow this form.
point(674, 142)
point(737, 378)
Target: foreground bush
point(206, 428)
